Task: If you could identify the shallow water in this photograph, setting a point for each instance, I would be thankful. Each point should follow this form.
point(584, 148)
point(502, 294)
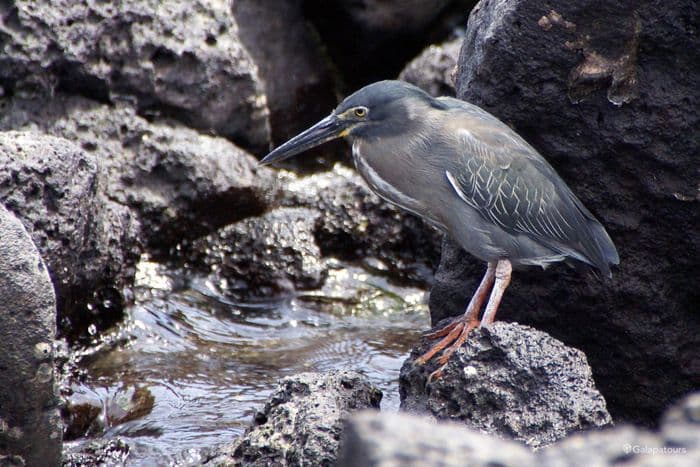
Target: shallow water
point(209, 362)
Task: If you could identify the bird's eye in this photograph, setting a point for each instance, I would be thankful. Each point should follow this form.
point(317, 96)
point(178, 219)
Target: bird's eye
point(360, 112)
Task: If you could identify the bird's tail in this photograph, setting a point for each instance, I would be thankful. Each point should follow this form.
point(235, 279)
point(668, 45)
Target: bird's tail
point(602, 251)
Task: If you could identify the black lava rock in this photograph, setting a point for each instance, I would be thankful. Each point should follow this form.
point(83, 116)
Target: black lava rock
point(184, 61)
point(609, 94)
point(509, 380)
point(89, 243)
point(31, 429)
point(301, 424)
point(263, 255)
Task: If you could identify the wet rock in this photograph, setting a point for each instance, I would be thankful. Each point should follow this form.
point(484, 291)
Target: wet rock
point(88, 242)
point(434, 69)
point(611, 100)
point(391, 32)
point(88, 415)
point(373, 439)
point(296, 74)
point(264, 255)
point(179, 183)
point(509, 380)
point(82, 419)
point(356, 225)
point(184, 61)
point(129, 403)
point(30, 424)
point(302, 421)
point(99, 452)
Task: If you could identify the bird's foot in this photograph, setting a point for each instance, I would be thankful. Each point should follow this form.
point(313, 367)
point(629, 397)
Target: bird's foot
point(435, 375)
point(454, 334)
point(445, 330)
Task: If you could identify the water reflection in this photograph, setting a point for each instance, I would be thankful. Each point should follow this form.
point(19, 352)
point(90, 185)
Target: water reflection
point(209, 361)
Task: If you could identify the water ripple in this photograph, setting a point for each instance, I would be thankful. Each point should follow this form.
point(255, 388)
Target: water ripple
point(210, 361)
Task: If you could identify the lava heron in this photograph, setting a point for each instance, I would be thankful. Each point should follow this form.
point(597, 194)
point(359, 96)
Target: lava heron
point(469, 174)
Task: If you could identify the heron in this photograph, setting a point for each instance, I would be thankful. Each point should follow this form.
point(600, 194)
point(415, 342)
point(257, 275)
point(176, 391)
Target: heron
point(466, 172)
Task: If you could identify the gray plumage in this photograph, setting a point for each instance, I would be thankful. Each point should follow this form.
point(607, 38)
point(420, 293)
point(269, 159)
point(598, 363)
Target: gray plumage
point(462, 169)
point(468, 173)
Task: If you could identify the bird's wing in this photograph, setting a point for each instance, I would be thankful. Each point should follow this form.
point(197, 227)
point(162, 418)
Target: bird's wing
point(510, 184)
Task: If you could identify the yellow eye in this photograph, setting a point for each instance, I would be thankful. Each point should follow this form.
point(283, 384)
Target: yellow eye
point(360, 112)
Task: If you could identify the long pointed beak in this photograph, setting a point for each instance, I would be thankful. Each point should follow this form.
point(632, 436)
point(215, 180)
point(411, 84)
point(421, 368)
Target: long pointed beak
point(327, 129)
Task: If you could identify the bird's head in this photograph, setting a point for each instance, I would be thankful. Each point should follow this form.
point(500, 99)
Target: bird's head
point(380, 109)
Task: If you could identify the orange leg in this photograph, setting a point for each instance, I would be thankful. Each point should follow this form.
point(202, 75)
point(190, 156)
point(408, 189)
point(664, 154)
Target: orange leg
point(503, 272)
point(460, 327)
point(497, 275)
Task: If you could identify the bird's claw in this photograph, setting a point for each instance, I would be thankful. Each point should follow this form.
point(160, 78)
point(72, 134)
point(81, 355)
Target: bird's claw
point(453, 334)
point(435, 375)
point(457, 334)
point(444, 358)
point(442, 332)
point(421, 360)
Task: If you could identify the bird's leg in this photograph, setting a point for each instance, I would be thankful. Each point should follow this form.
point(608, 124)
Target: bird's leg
point(503, 272)
point(473, 320)
point(460, 327)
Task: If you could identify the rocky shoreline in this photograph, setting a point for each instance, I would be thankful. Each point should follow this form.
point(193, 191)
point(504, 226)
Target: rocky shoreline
point(134, 132)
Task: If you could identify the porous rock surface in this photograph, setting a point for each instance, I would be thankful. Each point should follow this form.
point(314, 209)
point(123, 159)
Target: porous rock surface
point(435, 68)
point(301, 424)
point(89, 243)
point(182, 60)
point(384, 439)
point(96, 453)
point(30, 425)
point(355, 224)
point(675, 444)
point(608, 93)
point(508, 380)
point(179, 183)
point(329, 214)
point(264, 255)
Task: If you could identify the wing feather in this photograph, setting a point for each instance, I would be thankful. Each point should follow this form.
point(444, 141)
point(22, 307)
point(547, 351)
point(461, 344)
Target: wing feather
point(510, 184)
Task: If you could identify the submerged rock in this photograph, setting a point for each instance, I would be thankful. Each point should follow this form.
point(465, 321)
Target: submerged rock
point(608, 93)
point(92, 416)
point(301, 424)
point(509, 380)
point(30, 425)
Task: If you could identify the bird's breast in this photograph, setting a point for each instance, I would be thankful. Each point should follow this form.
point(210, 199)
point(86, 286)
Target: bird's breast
point(389, 190)
point(376, 182)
